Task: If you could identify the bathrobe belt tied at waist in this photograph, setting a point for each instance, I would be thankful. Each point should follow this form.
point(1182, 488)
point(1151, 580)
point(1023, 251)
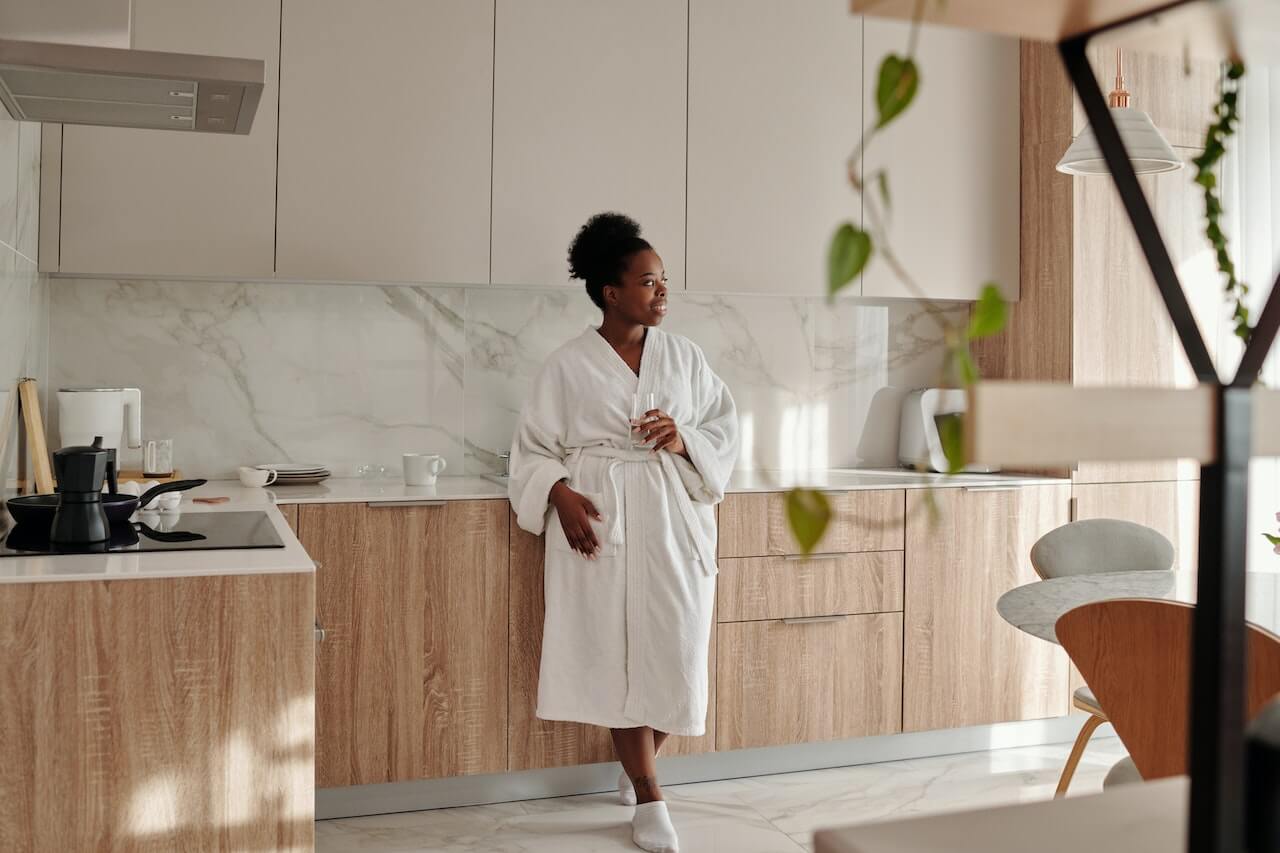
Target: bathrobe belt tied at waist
point(618, 457)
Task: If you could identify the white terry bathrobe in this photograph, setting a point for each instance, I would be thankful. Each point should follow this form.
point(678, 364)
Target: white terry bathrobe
point(625, 636)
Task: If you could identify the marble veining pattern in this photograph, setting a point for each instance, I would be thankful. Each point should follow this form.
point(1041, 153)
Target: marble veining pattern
point(24, 307)
point(769, 813)
point(241, 372)
point(249, 372)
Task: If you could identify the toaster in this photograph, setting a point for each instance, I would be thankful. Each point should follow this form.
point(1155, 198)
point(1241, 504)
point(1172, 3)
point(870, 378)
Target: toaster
point(919, 445)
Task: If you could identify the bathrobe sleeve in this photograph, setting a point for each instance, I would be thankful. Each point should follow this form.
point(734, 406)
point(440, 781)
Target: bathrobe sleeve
point(712, 439)
point(537, 450)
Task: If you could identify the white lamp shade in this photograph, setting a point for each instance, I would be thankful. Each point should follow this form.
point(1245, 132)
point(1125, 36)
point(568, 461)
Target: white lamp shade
point(1148, 150)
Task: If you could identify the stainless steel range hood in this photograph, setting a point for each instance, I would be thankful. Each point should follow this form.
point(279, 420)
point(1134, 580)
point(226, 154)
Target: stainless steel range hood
point(117, 87)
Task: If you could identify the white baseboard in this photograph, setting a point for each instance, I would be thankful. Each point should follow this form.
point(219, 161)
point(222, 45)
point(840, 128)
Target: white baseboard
point(591, 778)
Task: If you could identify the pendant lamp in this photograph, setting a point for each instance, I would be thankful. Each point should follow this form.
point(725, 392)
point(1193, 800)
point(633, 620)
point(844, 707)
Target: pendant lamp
point(1148, 150)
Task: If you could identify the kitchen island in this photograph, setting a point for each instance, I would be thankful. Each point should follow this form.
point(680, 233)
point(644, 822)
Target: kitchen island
point(158, 701)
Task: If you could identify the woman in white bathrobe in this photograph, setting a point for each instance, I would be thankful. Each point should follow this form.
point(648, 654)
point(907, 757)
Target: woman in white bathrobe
point(627, 505)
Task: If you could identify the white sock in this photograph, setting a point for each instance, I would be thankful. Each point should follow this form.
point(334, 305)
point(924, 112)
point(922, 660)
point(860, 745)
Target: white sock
point(651, 828)
point(626, 791)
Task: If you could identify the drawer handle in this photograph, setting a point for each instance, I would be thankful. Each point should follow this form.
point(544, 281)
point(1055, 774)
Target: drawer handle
point(320, 634)
point(813, 620)
point(990, 488)
point(806, 557)
point(390, 504)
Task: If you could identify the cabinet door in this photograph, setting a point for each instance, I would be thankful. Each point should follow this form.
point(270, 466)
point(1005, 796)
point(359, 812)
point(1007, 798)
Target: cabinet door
point(589, 115)
point(465, 653)
point(1172, 508)
point(1113, 288)
point(964, 665)
point(784, 682)
point(385, 130)
point(177, 203)
point(536, 743)
point(370, 602)
point(774, 113)
point(953, 163)
point(411, 675)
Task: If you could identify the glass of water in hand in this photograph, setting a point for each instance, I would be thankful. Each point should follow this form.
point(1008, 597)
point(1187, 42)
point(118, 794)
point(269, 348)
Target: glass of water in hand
point(640, 404)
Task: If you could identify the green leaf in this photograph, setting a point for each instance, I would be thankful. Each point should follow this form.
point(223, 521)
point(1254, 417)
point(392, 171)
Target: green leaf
point(850, 250)
point(808, 513)
point(896, 87)
point(951, 434)
point(1274, 540)
point(882, 183)
point(990, 313)
point(959, 369)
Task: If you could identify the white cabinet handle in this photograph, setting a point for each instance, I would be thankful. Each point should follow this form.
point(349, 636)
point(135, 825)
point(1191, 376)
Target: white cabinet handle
point(990, 488)
point(807, 557)
point(813, 620)
point(320, 634)
point(390, 504)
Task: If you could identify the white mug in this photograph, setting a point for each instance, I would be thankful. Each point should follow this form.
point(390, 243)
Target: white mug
point(256, 478)
point(421, 469)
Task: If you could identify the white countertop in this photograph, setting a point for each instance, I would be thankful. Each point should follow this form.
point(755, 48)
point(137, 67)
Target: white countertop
point(292, 558)
point(341, 490)
point(124, 565)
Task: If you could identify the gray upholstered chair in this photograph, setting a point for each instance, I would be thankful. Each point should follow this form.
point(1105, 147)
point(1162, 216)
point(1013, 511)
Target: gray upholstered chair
point(1094, 546)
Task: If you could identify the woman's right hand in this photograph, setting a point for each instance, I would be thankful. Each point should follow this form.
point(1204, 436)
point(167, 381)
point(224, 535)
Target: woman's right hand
point(575, 513)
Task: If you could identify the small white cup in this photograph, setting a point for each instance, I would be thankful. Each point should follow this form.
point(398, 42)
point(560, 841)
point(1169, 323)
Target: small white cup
point(421, 469)
point(256, 478)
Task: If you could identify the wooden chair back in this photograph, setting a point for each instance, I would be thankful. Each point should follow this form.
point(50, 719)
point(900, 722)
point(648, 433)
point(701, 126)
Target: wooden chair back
point(1136, 657)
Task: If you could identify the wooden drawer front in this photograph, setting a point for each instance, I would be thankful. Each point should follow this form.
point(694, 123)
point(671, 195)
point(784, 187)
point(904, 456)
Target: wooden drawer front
point(823, 585)
point(780, 683)
point(755, 525)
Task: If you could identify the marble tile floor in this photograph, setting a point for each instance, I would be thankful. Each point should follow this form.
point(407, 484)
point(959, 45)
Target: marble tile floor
point(764, 814)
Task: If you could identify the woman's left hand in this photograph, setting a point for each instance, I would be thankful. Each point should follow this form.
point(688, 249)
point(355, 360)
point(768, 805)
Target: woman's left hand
point(659, 429)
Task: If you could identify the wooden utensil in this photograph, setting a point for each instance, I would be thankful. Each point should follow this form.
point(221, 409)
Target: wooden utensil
point(29, 398)
point(6, 431)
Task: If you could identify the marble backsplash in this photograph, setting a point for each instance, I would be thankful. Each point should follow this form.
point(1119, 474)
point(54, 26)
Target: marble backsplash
point(238, 373)
point(24, 308)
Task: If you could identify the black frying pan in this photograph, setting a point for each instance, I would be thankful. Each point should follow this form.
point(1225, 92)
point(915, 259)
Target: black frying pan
point(38, 510)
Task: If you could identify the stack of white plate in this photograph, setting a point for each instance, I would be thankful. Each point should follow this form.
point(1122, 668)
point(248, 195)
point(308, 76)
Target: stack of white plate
point(296, 473)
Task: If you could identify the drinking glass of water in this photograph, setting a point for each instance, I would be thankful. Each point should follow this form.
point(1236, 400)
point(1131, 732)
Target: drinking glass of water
point(641, 403)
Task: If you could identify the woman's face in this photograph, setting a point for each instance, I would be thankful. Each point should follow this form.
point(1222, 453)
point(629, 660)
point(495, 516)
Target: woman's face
point(641, 295)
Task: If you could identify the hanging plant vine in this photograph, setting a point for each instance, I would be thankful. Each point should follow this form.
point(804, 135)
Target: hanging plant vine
point(1223, 127)
point(852, 248)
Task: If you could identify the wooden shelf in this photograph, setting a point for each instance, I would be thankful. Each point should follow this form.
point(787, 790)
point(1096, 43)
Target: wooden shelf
point(1043, 20)
point(1207, 30)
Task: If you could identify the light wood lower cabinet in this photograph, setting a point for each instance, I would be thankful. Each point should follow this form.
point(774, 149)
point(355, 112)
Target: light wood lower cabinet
point(754, 524)
point(411, 677)
point(157, 714)
point(536, 743)
point(783, 682)
point(822, 585)
point(964, 665)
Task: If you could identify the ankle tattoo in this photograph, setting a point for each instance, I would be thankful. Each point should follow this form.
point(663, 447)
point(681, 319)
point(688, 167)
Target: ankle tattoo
point(646, 786)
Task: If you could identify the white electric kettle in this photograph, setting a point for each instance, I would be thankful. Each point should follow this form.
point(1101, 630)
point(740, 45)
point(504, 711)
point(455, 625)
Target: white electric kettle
point(84, 413)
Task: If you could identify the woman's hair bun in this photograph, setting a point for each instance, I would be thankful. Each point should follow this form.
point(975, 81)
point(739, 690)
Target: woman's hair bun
point(599, 252)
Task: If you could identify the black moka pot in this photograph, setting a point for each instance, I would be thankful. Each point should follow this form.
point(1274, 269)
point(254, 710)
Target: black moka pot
point(80, 471)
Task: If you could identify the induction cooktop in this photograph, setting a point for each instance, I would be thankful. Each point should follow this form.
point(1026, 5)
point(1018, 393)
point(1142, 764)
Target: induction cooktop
point(196, 531)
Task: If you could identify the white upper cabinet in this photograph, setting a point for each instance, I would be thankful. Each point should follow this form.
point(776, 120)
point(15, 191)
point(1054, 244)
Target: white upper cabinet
point(161, 203)
point(774, 113)
point(953, 163)
point(385, 126)
point(589, 115)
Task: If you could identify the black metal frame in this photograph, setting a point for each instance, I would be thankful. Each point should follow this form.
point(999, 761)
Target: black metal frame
point(1217, 748)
